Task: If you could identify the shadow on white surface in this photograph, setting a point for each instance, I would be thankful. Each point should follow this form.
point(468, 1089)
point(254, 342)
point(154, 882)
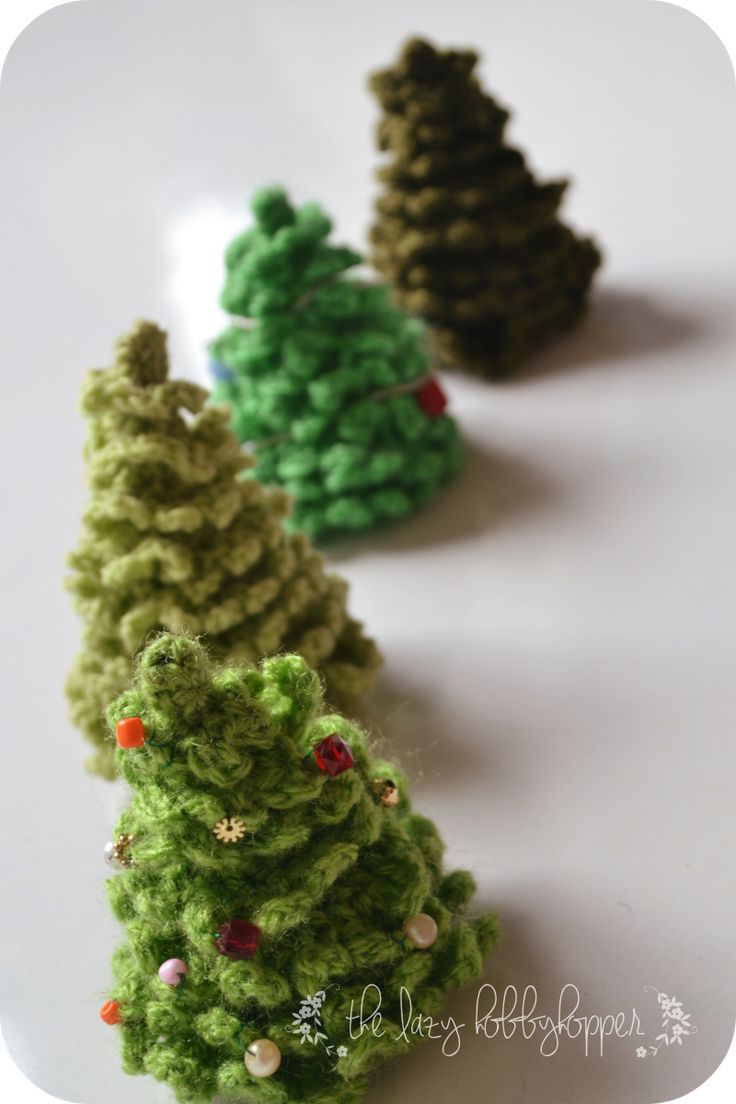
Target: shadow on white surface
point(410, 730)
point(620, 324)
point(513, 1069)
point(492, 490)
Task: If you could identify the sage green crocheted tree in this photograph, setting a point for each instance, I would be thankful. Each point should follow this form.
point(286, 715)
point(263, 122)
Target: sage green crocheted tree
point(327, 381)
point(466, 236)
point(322, 884)
point(175, 538)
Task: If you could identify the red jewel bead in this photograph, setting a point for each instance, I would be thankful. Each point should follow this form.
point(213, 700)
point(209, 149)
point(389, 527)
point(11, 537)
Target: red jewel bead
point(238, 939)
point(110, 1012)
point(333, 755)
point(432, 398)
point(131, 732)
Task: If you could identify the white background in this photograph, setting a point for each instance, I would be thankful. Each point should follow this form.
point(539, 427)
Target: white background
point(558, 626)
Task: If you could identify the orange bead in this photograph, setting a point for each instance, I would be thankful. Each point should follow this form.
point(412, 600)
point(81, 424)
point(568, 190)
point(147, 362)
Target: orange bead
point(110, 1012)
point(130, 732)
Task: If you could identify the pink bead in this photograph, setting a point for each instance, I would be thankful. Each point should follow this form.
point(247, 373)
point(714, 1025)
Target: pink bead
point(173, 971)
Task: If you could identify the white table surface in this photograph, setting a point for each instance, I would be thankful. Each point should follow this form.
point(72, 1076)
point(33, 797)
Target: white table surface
point(558, 626)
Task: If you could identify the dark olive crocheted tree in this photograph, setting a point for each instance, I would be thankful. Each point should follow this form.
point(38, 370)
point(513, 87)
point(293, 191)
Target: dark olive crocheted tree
point(466, 236)
point(327, 381)
point(273, 872)
point(175, 538)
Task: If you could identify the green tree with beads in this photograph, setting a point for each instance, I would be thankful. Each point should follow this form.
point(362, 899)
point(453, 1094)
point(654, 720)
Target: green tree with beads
point(272, 871)
point(465, 235)
point(328, 383)
point(175, 538)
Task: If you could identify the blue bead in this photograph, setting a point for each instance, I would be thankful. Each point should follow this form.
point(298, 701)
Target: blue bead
point(219, 371)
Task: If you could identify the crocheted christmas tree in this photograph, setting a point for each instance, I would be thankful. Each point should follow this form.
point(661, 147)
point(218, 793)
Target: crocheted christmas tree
point(466, 236)
point(175, 538)
point(328, 382)
point(272, 873)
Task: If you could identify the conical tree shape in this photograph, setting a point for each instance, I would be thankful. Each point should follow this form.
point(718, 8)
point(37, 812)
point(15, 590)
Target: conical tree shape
point(328, 382)
point(327, 871)
point(175, 538)
point(464, 233)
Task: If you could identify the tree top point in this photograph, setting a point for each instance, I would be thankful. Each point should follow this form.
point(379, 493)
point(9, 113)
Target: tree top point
point(141, 354)
point(272, 208)
point(420, 60)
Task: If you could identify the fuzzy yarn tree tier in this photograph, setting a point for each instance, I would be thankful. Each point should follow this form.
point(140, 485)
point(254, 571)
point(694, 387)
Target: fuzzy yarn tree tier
point(466, 236)
point(244, 950)
point(175, 538)
point(328, 382)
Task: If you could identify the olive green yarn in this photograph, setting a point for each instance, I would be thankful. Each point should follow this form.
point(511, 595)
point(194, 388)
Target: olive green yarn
point(175, 538)
point(305, 381)
point(466, 236)
point(328, 873)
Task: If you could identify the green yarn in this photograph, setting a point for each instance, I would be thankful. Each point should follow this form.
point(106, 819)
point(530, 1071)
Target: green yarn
point(302, 381)
point(464, 233)
point(327, 872)
point(175, 538)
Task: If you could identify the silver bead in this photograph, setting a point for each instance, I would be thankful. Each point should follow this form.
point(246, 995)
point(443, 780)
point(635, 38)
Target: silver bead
point(117, 852)
point(262, 1058)
point(421, 930)
point(111, 855)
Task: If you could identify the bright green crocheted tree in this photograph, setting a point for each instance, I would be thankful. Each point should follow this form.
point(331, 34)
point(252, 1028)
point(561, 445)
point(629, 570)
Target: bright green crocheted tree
point(327, 381)
point(466, 236)
point(175, 538)
point(334, 885)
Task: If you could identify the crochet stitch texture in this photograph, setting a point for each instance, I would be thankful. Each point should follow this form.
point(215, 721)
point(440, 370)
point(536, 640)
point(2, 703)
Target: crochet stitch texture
point(321, 383)
point(466, 236)
point(326, 871)
point(175, 538)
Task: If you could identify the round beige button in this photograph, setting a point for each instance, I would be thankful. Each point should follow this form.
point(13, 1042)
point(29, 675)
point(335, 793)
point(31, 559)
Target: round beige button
point(262, 1058)
point(421, 930)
